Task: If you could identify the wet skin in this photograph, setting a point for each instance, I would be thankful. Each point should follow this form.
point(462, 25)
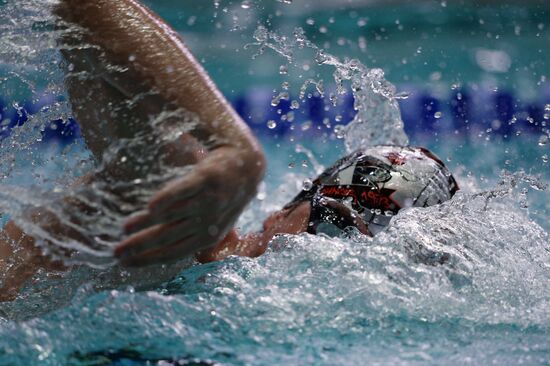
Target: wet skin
point(190, 213)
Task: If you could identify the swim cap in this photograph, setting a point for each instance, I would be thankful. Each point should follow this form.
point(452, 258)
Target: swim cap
point(377, 182)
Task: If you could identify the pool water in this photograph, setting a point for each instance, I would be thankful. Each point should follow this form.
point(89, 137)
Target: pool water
point(318, 300)
point(329, 301)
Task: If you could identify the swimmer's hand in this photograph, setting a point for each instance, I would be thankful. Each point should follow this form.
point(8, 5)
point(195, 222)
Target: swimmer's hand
point(196, 211)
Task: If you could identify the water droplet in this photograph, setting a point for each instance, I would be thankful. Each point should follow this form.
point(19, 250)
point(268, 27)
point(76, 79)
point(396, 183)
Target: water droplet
point(271, 124)
point(290, 116)
point(544, 158)
point(438, 115)
point(213, 230)
point(340, 131)
point(523, 191)
point(261, 34)
point(283, 69)
point(362, 42)
point(543, 140)
point(402, 95)
point(310, 21)
point(282, 96)
point(191, 21)
point(246, 4)
point(307, 185)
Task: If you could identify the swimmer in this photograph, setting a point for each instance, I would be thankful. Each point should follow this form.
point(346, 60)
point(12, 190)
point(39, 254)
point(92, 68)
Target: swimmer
point(194, 214)
point(362, 191)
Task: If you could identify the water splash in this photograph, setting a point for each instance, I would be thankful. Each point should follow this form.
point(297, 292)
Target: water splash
point(378, 119)
point(90, 195)
point(462, 282)
point(448, 278)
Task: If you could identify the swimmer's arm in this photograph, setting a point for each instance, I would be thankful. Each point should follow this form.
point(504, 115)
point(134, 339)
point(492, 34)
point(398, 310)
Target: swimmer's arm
point(223, 183)
point(286, 221)
point(133, 36)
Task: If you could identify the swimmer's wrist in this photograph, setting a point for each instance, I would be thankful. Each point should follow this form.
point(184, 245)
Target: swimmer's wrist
point(247, 154)
point(246, 162)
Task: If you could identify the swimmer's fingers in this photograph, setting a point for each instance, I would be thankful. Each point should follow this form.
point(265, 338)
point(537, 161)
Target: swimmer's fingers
point(178, 211)
point(196, 210)
point(189, 235)
point(180, 189)
point(191, 195)
point(137, 222)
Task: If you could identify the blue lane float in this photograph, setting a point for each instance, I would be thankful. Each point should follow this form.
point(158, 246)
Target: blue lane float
point(463, 112)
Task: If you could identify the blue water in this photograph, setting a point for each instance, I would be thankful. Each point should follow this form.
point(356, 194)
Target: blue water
point(327, 301)
point(318, 300)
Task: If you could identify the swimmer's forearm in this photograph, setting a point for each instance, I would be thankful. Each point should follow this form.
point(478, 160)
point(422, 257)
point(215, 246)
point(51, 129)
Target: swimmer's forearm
point(253, 245)
point(131, 34)
point(134, 39)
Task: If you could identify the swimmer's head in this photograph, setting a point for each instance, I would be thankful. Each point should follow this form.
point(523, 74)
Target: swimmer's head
point(381, 180)
point(376, 183)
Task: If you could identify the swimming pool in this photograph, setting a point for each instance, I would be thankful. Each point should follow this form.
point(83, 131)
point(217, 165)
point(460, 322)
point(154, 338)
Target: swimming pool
point(349, 300)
